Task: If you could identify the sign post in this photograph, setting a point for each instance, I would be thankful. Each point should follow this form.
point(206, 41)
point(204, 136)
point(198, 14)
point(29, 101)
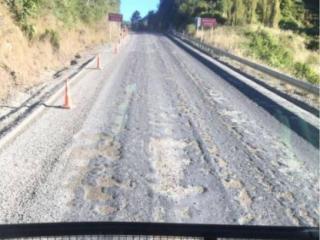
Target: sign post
point(208, 23)
point(110, 24)
point(198, 24)
point(115, 17)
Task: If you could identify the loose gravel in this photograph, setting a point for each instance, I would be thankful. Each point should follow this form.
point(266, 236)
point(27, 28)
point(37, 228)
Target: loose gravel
point(158, 136)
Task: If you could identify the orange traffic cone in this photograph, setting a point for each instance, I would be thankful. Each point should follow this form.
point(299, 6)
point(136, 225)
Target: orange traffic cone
point(98, 62)
point(67, 99)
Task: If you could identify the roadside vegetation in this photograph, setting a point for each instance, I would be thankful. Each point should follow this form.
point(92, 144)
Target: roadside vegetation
point(71, 13)
point(38, 36)
point(283, 34)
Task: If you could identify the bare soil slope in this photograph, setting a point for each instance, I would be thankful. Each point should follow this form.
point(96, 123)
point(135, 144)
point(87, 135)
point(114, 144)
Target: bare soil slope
point(23, 62)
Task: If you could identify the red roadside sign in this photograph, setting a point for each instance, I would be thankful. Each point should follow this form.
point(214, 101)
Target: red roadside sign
point(115, 17)
point(208, 22)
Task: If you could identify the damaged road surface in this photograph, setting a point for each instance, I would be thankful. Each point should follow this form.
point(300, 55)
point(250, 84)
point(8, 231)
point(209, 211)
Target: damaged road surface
point(157, 136)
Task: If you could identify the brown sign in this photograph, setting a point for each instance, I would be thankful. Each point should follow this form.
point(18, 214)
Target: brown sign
point(208, 22)
point(115, 17)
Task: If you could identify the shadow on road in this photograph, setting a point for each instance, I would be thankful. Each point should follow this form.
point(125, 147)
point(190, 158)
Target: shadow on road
point(91, 68)
point(53, 106)
point(10, 107)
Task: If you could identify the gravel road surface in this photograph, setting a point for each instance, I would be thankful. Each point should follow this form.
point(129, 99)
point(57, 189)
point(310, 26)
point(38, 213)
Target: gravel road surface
point(158, 136)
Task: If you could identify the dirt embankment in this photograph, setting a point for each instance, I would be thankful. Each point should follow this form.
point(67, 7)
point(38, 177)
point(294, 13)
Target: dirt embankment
point(24, 62)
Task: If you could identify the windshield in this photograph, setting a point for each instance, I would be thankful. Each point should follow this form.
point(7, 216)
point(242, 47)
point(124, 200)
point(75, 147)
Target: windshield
point(174, 111)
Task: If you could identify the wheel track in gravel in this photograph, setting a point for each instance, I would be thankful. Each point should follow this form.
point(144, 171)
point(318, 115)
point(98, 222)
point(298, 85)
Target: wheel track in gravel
point(21, 208)
point(26, 196)
point(261, 175)
point(217, 165)
point(162, 142)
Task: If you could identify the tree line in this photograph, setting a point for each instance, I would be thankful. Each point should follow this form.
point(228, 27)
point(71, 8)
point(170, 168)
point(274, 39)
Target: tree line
point(69, 12)
point(296, 15)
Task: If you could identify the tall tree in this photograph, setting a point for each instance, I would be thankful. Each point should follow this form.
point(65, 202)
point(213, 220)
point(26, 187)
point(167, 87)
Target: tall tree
point(135, 20)
point(275, 14)
point(225, 7)
point(180, 13)
point(264, 9)
point(136, 17)
point(286, 7)
point(168, 13)
point(238, 12)
point(251, 6)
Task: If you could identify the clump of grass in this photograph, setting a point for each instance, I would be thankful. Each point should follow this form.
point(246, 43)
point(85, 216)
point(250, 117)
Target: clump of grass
point(302, 70)
point(73, 11)
point(191, 29)
point(21, 10)
point(313, 44)
point(52, 36)
point(265, 47)
point(70, 12)
point(289, 24)
point(29, 30)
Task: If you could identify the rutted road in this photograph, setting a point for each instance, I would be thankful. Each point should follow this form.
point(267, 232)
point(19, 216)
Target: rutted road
point(157, 136)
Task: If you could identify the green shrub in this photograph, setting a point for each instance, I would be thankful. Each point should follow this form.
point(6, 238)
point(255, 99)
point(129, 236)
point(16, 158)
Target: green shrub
point(313, 44)
point(55, 40)
point(23, 8)
point(289, 24)
point(303, 71)
point(68, 11)
point(72, 11)
point(220, 18)
point(265, 47)
point(191, 29)
point(53, 37)
point(311, 31)
point(29, 30)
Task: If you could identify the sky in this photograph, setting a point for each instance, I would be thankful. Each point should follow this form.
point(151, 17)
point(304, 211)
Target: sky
point(143, 6)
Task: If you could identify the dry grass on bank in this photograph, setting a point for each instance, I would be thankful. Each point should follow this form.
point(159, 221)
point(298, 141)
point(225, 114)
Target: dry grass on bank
point(22, 61)
point(234, 40)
